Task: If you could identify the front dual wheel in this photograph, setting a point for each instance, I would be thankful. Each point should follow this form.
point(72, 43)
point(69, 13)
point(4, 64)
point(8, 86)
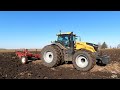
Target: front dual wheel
point(83, 61)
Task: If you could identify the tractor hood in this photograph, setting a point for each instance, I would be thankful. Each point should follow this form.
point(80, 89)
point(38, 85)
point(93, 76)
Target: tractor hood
point(93, 45)
point(85, 45)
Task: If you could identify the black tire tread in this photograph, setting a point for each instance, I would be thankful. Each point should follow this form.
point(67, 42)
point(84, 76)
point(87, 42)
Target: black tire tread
point(60, 54)
point(57, 53)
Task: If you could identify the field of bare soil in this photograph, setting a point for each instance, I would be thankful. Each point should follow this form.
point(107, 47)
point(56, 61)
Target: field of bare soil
point(11, 68)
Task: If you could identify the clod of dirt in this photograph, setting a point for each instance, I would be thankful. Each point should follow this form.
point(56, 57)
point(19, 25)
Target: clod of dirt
point(29, 74)
point(53, 69)
point(113, 72)
point(111, 68)
point(114, 76)
point(45, 77)
point(71, 69)
point(66, 66)
point(13, 57)
point(37, 62)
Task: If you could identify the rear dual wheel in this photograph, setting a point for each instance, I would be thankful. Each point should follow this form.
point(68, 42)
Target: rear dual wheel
point(50, 56)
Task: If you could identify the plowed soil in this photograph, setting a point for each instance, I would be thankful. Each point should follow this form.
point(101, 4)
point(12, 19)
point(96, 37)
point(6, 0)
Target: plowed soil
point(11, 68)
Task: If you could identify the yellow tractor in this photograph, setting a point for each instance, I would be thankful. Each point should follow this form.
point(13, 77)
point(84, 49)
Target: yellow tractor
point(66, 48)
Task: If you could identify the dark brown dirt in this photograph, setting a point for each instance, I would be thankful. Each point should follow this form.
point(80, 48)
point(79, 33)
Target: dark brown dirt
point(11, 68)
point(113, 53)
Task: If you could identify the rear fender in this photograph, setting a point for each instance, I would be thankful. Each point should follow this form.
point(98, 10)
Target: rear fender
point(59, 45)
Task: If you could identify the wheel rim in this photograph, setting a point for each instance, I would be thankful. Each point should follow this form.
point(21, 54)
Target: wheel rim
point(81, 61)
point(23, 60)
point(48, 57)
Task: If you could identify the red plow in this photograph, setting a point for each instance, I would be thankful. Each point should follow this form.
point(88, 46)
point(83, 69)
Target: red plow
point(26, 56)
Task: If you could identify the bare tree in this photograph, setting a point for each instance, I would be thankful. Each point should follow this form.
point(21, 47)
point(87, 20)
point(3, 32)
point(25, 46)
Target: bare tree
point(118, 46)
point(99, 45)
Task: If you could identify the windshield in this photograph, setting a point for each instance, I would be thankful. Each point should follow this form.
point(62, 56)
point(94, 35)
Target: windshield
point(66, 39)
point(63, 38)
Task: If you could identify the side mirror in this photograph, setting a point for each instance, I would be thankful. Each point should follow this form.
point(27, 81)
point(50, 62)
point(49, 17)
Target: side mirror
point(79, 38)
point(53, 41)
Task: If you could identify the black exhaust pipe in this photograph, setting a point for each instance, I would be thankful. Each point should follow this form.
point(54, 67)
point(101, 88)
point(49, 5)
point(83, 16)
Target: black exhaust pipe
point(72, 43)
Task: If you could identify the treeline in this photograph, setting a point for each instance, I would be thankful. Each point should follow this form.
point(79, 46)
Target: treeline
point(105, 46)
point(2, 49)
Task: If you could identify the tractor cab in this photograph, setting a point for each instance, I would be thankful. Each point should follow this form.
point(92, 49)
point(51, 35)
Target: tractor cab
point(66, 39)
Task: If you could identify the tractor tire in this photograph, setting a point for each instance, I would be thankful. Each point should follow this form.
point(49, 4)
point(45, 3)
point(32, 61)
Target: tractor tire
point(50, 56)
point(61, 54)
point(83, 61)
point(24, 60)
